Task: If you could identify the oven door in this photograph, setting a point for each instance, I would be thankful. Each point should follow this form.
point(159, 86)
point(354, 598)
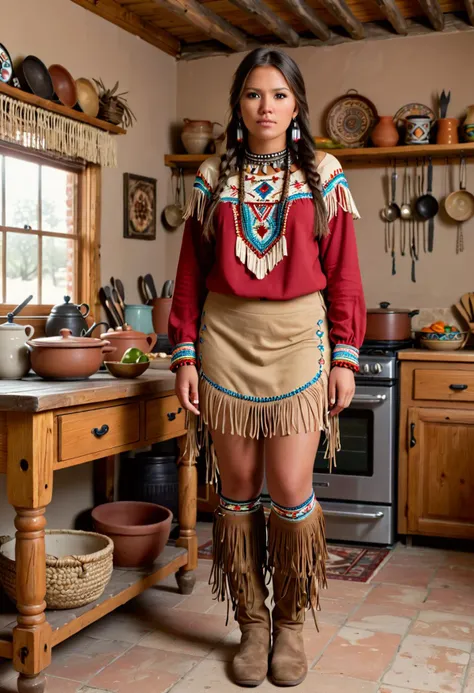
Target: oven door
point(365, 466)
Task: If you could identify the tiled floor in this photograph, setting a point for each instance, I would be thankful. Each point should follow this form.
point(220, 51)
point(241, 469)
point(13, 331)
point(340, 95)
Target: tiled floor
point(409, 630)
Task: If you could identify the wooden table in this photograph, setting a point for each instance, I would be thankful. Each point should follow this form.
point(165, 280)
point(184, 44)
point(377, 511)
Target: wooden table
point(46, 426)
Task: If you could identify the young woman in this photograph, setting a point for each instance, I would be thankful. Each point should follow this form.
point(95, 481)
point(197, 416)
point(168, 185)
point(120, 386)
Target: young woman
point(269, 229)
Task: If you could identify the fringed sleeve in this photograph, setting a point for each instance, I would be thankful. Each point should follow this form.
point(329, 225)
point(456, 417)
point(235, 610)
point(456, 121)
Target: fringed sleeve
point(340, 263)
point(194, 264)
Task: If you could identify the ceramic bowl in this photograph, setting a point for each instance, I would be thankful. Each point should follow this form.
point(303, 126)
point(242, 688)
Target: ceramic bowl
point(449, 341)
point(35, 78)
point(139, 530)
point(126, 370)
point(87, 97)
point(64, 85)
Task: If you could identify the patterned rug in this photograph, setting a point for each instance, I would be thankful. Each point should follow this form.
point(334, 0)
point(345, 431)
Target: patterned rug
point(354, 563)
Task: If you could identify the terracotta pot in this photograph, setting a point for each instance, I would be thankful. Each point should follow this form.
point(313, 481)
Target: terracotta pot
point(161, 314)
point(139, 530)
point(67, 357)
point(447, 131)
point(468, 125)
point(389, 324)
point(385, 133)
point(196, 135)
point(124, 337)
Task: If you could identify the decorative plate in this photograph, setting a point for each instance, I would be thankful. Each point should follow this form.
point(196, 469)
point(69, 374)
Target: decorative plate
point(6, 69)
point(412, 109)
point(350, 120)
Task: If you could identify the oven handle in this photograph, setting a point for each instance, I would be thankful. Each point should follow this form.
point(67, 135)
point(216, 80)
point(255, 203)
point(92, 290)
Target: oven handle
point(353, 515)
point(369, 399)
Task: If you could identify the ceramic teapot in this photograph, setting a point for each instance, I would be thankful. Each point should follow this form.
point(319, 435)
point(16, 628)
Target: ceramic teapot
point(71, 316)
point(15, 360)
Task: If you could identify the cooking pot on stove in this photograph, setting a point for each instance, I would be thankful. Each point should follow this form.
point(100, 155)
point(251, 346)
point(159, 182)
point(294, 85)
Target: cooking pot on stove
point(389, 324)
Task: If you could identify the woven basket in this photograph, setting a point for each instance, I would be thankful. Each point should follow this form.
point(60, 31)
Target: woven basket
point(72, 580)
point(112, 112)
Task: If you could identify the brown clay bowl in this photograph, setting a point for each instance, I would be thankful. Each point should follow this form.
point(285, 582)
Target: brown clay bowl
point(139, 530)
point(126, 370)
point(64, 85)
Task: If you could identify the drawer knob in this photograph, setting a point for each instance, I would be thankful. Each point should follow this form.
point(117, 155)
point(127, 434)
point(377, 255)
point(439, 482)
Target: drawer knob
point(172, 415)
point(99, 432)
point(458, 388)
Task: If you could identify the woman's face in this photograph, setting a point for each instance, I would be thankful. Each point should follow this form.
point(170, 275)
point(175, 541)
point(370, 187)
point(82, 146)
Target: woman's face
point(267, 107)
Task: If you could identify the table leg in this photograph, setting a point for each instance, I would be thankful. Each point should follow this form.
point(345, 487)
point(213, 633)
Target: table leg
point(187, 477)
point(30, 485)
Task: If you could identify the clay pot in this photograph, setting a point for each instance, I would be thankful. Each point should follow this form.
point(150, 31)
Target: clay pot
point(124, 337)
point(385, 133)
point(447, 131)
point(67, 357)
point(389, 324)
point(418, 129)
point(196, 135)
point(468, 125)
point(139, 530)
point(161, 314)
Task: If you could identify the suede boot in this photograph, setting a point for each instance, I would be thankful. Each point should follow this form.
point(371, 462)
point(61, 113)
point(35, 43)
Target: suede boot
point(297, 556)
point(238, 575)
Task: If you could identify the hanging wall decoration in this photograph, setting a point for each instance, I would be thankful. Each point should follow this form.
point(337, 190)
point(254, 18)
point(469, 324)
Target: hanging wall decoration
point(139, 213)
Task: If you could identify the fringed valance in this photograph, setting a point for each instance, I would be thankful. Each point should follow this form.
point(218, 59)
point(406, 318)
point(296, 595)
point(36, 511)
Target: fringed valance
point(36, 128)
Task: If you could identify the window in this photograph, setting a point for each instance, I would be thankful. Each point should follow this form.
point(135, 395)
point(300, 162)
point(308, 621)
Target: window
point(48, 230)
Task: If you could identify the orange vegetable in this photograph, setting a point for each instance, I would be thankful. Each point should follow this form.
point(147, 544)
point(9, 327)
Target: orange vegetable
point(426, 329)
point(438, 326)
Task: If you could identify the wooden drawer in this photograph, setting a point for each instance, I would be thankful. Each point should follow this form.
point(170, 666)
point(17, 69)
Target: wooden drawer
point(164, 417)
point(94, 431)
point(453, 385)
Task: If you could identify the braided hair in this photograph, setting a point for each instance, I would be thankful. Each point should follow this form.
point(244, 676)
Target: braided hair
point(303, 151)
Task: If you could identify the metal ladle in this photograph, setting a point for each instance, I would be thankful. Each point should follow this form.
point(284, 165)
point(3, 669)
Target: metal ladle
point(391, 211)
point(405, 210)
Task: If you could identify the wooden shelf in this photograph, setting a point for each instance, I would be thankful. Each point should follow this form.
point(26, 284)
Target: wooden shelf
point(60, 109)
point(125, 584)
point(367, 156)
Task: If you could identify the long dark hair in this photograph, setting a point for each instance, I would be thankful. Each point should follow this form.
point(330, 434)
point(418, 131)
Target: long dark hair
point(304, 151)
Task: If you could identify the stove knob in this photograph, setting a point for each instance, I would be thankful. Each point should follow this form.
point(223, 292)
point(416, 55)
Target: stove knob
point(376, 368)
point(366, 368)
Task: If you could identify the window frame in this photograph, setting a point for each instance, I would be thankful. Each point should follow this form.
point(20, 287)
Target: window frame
point(88, 229)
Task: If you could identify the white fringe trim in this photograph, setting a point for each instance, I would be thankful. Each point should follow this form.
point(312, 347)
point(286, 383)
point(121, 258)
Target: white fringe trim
point(196, 205)
point(35, 128)
point(260, 267)
point(340, 196)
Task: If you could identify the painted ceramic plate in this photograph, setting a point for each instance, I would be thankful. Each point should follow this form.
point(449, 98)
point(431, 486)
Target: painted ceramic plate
point(412, 109)
point(350, 120)
point(6, 69)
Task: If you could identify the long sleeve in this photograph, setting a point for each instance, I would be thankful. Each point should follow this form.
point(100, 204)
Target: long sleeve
point(189, 294)
point(345, 295)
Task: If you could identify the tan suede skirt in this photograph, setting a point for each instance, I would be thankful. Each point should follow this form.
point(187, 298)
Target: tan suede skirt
point(264, 368)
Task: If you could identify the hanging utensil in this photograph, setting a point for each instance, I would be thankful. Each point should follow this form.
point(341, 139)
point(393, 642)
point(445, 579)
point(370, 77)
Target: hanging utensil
point(150, 284)
point(392, 210)
point(459, 205)
point(427, 206)
point(405, 209)
point(173, 214)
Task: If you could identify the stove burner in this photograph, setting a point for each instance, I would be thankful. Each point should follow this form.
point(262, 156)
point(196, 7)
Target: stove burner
point(385, 348)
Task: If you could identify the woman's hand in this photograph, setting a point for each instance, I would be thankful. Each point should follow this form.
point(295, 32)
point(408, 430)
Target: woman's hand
point(341, 389)
point(186, 389)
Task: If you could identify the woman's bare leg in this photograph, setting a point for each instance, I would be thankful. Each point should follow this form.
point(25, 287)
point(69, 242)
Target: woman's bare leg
point(289, 462)
point(241, 467)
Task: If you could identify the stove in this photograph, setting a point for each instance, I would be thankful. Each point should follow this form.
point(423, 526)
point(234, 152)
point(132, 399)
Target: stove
point(359, 496)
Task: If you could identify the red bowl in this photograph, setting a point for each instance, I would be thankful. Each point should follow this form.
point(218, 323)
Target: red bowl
point(139, 530)
point(64, 85)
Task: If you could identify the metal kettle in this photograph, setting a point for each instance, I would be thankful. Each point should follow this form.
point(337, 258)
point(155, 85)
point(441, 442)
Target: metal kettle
point(71, 316)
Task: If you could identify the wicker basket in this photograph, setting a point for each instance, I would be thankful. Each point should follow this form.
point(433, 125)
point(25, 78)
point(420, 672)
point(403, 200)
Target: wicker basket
point(112, 112)
point(78, 567)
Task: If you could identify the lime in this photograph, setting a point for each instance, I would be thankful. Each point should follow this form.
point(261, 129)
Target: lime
point(143, 359)
point(132, 355)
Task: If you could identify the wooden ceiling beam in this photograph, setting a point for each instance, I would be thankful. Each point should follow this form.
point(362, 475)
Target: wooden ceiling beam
point(270, 20)
point(469, 5)
point(310, 19)
point(209, 22)
point(123, 18)
point(340, 10)
point(394, 16)
point(433, 11)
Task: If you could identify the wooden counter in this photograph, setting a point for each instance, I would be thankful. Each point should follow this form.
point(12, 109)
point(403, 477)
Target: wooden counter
point(436, 443)
point(47, 425)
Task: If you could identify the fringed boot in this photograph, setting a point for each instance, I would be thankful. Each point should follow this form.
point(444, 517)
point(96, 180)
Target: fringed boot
point(296, 556)
point(238, 575)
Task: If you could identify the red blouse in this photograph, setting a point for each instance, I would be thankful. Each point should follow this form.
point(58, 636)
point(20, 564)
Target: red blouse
point(258, 255)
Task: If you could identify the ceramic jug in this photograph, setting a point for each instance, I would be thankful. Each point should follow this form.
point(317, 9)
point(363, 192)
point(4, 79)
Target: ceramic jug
point(385, 133)
point(468, 125)
point(139, 317)
point(197, 134)
point(15, 357)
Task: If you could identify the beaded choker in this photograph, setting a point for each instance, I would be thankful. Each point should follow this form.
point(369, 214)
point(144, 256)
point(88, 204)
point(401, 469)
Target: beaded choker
point(277, 160)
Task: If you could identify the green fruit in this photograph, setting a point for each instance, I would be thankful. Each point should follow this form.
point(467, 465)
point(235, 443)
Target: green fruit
point(132, 355)
point(447, 328)
point(143, 359)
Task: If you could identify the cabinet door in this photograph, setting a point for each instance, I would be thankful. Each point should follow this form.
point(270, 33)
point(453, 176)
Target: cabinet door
point(441, 472)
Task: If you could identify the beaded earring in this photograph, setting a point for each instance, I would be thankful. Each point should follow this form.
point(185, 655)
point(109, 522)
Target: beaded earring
point(295, 132)
point(240, 132)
